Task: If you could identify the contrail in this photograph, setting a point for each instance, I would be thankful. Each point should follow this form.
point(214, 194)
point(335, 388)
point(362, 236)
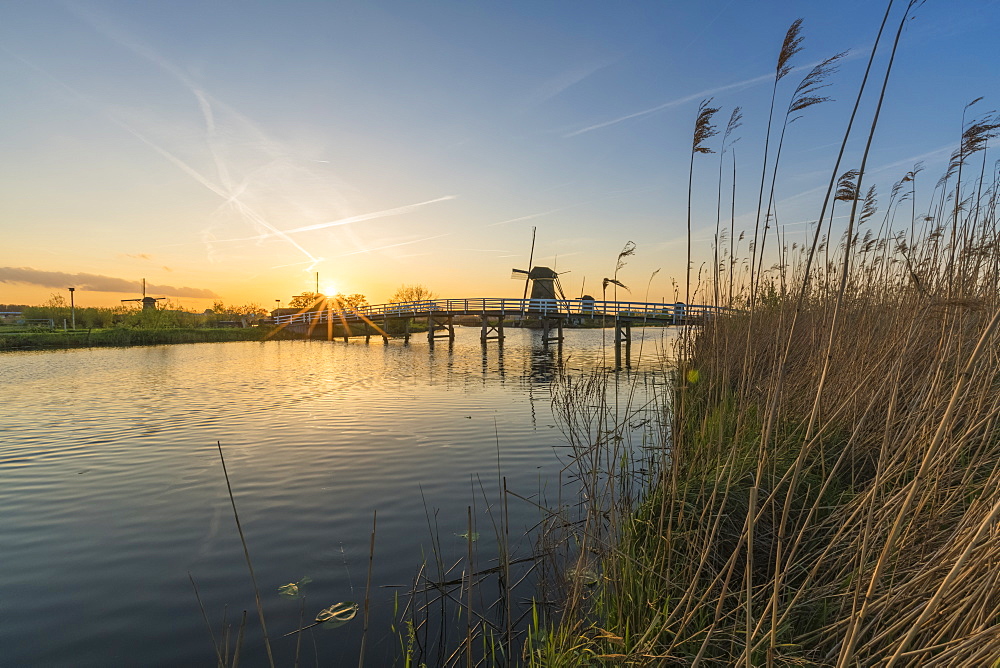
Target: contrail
point(343, 221)
point(295, 264)
point(229, 197)
point(199, 178)
point(225, 190)
point(907, 162)
point(746, 83)
point(673, 103)
point(620, 193)
point(536, 215)
point(366, 216)
point(402, 243)
point(228, 191)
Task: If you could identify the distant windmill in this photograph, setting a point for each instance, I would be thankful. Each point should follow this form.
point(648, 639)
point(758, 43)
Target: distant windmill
point(148, 303)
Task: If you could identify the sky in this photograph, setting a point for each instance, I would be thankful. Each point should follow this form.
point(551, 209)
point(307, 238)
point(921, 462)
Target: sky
point(231, 150)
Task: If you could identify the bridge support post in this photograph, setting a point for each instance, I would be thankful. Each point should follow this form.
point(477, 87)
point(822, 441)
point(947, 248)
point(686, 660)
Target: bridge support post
point(491, 331)
point(547, 324)
point(623, 332)
point(347, 331)
point(623, 339)
point(406, 332)
point(385, 330)
point(368, 334)
point(443, 322)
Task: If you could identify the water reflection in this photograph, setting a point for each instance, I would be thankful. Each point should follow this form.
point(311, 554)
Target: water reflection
point(110, 482)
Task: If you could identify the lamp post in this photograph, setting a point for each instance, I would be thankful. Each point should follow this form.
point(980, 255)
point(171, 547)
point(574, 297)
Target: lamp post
point(72, 307)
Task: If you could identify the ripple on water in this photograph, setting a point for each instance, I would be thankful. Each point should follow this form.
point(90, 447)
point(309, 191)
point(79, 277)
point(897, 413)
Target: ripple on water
point(112, 489)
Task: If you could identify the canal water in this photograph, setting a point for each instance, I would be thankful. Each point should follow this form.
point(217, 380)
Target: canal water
point(113, 498)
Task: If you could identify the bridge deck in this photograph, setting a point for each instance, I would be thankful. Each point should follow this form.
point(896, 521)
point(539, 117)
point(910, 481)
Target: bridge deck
point(494, 307)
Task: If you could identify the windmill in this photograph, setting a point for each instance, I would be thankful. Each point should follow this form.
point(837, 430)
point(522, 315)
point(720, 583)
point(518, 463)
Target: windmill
point(544, 282)
point(148, 303)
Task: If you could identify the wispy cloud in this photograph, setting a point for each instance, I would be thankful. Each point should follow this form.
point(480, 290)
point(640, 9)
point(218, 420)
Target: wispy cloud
point(93, 282)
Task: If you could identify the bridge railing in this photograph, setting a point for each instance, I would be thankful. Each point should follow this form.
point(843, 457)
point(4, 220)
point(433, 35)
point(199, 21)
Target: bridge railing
point(678, 313)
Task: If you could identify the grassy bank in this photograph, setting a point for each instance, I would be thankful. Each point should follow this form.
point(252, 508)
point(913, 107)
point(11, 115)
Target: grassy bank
point(806, 513)
point(121, 336)
point(826, 486)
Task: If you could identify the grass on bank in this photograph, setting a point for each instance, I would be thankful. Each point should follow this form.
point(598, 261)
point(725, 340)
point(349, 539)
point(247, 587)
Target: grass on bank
point(123, 336)
point(827, 467)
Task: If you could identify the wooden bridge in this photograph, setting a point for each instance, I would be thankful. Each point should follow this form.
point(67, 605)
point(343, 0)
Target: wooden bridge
point(551, 314)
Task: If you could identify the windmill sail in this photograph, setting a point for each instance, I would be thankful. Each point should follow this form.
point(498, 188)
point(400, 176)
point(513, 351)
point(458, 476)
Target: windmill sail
point(559, 289)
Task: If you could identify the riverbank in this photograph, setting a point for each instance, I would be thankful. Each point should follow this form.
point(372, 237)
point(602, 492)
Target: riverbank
point(821, 498)
point(123, 337)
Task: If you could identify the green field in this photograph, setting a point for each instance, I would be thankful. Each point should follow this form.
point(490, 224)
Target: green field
point(124, 336)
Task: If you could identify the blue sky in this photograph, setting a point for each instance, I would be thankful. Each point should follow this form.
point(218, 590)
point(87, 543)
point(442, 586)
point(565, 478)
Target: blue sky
point(232, 149)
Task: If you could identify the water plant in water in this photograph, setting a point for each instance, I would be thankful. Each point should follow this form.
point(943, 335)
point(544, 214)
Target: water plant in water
point(293, 589)
point(336, 615)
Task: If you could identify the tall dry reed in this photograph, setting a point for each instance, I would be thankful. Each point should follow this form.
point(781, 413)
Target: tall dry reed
point(827, 487)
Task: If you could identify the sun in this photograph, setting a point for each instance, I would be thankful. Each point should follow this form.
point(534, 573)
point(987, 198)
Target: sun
point(329, 289)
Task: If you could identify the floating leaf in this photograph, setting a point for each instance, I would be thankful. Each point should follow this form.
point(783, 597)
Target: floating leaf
point(337, 614)
point(293, 589)
point(290, 590)
point(473, 537)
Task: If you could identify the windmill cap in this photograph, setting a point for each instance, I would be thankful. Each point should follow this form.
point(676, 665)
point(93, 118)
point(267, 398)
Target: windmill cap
point(542, 272)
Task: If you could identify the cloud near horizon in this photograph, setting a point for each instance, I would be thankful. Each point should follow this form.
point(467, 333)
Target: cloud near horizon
point(94, 283)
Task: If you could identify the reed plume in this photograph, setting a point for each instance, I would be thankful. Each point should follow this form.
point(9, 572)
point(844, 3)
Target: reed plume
point(791, 46)
point(703, 130)
point(735, 121)
point(830, 493)
point(805, 96)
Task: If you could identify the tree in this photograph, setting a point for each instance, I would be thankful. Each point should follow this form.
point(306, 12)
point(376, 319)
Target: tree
point(320, 302)
point(56, 300)
point(411, 293)
point(251, 309)
point(307, 300)
point(352, 301)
